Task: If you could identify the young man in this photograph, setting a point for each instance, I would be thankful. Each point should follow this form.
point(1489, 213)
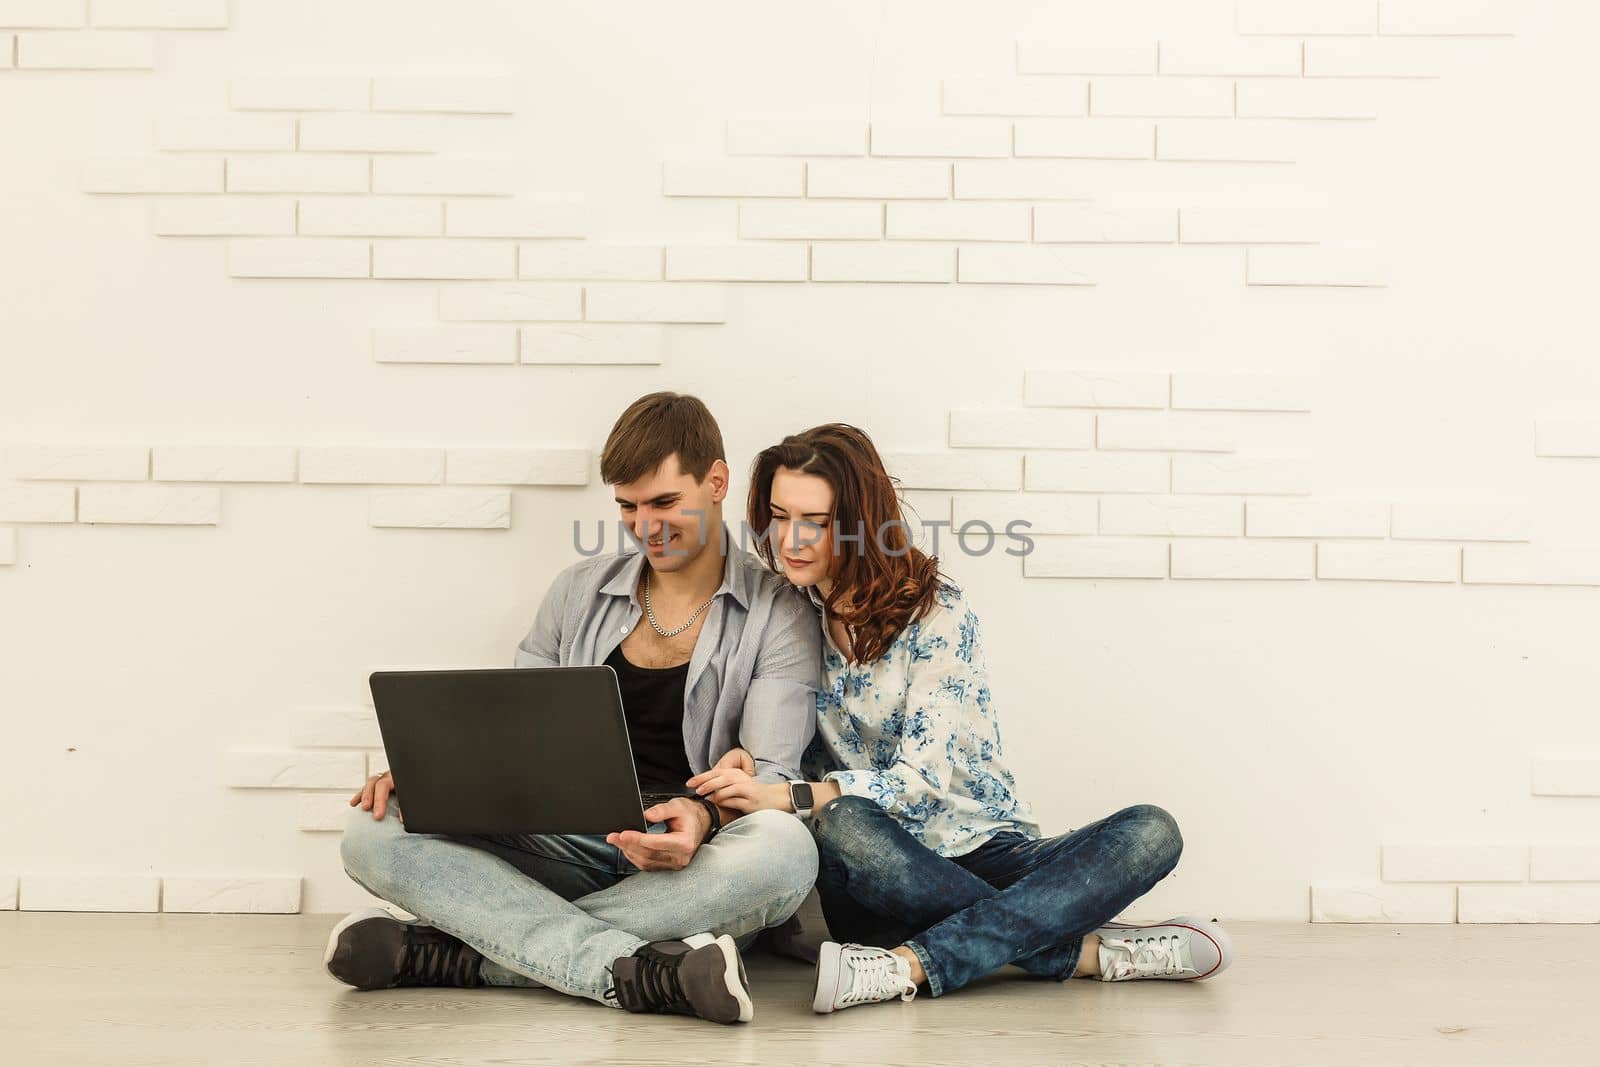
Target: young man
point(712, 651)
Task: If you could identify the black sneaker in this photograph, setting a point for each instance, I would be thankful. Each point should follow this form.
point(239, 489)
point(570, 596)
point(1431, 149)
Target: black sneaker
point(371, 949)
point(700, 975)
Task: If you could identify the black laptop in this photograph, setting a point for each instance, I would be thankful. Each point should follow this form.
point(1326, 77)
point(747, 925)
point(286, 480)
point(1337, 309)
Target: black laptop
point(510, 750)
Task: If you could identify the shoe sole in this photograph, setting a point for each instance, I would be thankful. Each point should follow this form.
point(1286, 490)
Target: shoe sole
point(828, 971)
point(344, 924)
point(733, 974)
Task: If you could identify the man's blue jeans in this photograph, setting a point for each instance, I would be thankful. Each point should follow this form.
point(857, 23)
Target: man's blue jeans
point(1012, 900)
point(556, 910)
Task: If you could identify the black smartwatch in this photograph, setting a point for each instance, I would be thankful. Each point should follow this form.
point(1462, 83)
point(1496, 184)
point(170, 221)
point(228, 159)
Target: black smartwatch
point(800, 798)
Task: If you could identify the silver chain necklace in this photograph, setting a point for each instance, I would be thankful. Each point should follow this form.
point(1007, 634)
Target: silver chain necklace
point(650, 612)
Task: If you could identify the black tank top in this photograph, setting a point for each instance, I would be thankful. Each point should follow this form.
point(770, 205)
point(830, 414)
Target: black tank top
point(652, 704)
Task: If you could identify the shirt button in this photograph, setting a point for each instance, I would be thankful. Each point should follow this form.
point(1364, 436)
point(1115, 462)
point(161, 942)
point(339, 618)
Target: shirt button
point(624, 629)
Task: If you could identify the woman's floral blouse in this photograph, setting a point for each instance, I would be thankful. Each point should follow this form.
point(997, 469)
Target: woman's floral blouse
point(915, 731)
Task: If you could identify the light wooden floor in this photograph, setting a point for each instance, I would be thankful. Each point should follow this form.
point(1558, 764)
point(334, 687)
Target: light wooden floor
point(171, 989)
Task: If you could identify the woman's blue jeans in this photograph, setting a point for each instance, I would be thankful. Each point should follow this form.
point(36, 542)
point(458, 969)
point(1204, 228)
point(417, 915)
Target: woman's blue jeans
point(1012, 900)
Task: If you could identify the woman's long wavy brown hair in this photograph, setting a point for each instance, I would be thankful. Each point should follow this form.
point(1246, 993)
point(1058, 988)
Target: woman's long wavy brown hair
point(882, 582)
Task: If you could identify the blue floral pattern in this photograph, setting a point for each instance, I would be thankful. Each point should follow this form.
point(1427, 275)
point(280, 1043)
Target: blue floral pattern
point(915, 732)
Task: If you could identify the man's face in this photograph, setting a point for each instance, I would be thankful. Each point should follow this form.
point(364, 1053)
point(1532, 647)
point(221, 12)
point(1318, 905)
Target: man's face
point(674, 516)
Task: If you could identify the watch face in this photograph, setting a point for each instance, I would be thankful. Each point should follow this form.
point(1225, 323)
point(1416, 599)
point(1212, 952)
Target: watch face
point(800, 794)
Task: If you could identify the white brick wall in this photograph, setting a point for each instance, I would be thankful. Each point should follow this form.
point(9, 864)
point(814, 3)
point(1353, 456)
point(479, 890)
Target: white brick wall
point(878, 179)
point(1202, 516)
point(1529, 904)
point(298, 174)
point(1097, 388)
point(737, 263)
point(1316, 518)
point(94, 50)
point(455, 509)
point(324, 812)
point(757, 136)
point(1383, 904)
point(1567, 776)
point(443, 259)
point(230, 217)
point(517, 466)
point(89, 892)
point(260, 895)
point(1138, 431)
point(1566, 863)
point(512, 303)
point(1542, 564)
point(577, 259)
point(673, 302)
point(38, 503)
point(1085, 138)
point(222, 463)
point(269, 768)
point(362, 465)
point(1088, 54)
point(336, 728)
point(161, 14)
point(64, 462)
point(150, 504)
point(954, 470)
point(1045, 513)
point(1389, 562)
point(1095, 262)
point(299, 93)
point(733, 177)
point(547, 215)
point(1018, 96)
point(486, 95)
point(842, 262)
point(1098, 473)
point(593, 344)
point(340, 216)
point(1025, 428)
point(300, 257)
point(225, 133)
point(1264, 560)
point(1056, 557)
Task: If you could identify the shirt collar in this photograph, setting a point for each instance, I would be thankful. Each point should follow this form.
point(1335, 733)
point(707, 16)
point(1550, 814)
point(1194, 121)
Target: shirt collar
point(738, 581)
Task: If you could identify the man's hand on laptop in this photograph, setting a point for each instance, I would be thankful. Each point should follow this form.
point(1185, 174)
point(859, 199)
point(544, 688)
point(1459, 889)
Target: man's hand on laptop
point(374, 796)
point(687, 823)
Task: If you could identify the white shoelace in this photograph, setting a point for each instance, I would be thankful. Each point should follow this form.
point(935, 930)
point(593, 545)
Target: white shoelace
point(1143, 957)
point(876, 975)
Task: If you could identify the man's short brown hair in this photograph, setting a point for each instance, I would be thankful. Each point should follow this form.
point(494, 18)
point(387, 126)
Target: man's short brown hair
point(653, 428)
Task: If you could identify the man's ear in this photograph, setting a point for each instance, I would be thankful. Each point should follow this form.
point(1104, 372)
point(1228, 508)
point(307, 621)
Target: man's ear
point(719, 476)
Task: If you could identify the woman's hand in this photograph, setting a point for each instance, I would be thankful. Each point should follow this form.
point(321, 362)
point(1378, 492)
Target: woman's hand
point(736, 766)
point(374, 796)
point(745, 795)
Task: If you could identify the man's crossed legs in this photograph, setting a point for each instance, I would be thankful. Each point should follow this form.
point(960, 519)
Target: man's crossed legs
point(570, 912)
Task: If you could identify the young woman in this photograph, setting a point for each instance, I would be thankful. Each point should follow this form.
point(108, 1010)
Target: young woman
point(933, 870)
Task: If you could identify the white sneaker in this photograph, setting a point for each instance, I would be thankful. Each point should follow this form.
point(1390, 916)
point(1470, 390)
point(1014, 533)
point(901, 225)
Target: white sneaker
point(852, 974)
point(1184, 948)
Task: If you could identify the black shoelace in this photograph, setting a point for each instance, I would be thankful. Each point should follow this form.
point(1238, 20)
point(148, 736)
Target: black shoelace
point(434, 958)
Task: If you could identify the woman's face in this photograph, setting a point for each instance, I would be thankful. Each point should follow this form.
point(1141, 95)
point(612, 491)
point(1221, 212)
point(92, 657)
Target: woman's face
point(802, 542)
